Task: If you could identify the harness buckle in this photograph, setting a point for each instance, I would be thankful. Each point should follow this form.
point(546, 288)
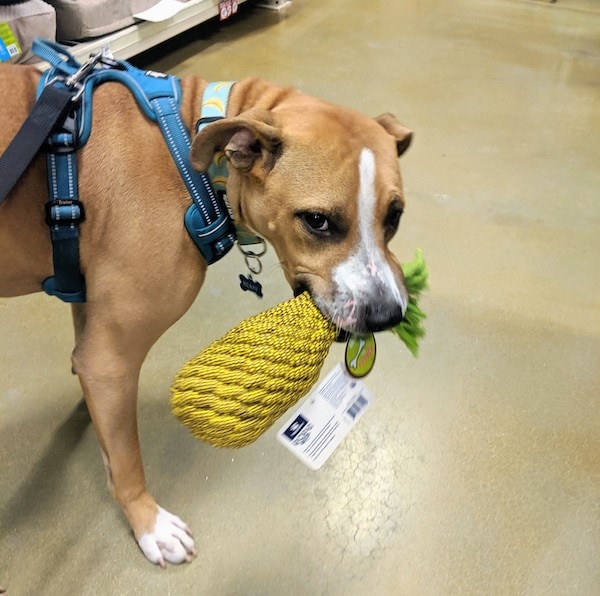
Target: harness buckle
point(64, 213)
point(76, 80)
point(65, 140)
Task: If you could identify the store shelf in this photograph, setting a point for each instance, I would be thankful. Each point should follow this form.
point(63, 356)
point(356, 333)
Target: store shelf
point(144, 35)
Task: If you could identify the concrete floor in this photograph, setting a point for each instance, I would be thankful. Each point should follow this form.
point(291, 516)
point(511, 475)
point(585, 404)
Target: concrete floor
point(477, 471)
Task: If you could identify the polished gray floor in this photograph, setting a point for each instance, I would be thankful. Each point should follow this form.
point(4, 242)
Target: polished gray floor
point(477, 470)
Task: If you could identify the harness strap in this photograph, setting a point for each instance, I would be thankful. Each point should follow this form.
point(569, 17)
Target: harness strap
point(64, 213)
point(207, 219)
point(56, 55)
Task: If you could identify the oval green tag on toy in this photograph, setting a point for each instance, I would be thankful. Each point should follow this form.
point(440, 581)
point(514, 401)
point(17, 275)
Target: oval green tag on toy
point(361, 351)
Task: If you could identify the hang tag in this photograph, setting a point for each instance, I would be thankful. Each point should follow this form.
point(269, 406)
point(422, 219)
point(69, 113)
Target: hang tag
point(319, 425)
point(9, 46)
point(361, 351)
point(248, 284)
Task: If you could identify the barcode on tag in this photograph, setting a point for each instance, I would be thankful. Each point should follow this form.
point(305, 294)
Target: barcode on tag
point(319, 425)
point(13, 50)
point(357, 406)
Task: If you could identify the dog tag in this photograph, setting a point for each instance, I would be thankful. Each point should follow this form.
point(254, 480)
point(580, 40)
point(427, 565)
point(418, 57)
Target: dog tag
point(361, 351)
point(253, 262)
point(248, 284)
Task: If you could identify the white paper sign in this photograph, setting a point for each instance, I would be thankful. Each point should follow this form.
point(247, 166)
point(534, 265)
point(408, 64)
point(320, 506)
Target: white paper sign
point(165, 9)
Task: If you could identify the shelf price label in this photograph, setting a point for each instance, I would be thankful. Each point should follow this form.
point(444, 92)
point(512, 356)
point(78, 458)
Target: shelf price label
point(227, 8)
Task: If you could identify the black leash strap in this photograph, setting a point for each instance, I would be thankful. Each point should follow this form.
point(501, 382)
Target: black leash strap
point(50, 109)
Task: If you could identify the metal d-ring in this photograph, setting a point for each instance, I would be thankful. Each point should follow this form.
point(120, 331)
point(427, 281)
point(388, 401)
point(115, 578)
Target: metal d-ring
point(252, 257)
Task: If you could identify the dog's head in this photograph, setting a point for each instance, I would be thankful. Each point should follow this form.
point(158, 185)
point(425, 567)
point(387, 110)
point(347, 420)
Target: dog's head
point(322, 184)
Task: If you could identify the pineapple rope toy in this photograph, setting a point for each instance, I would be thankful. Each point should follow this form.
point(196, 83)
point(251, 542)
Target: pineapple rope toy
point(234, 390)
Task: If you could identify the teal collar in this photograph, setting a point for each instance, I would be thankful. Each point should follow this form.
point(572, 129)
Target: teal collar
point(214, 107)
point(214, 103)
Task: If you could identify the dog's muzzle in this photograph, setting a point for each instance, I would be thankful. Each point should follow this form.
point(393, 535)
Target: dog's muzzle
point(370, 319)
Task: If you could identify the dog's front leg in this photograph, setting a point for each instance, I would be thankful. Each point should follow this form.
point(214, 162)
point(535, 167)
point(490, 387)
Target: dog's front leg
point(107, 358)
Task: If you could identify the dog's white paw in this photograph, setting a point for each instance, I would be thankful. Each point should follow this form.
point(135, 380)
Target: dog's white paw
point(171, 541)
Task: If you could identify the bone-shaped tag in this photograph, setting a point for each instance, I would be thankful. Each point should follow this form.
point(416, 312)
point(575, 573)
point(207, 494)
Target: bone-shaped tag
point(250, 285)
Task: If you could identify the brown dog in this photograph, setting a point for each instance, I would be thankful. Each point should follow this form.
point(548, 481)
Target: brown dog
point(320, 182)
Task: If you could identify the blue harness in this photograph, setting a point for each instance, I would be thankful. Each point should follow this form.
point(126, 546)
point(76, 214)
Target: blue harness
point(207, 219)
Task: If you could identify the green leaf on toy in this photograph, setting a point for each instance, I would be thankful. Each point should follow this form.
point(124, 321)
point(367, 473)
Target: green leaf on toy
point(411, 329)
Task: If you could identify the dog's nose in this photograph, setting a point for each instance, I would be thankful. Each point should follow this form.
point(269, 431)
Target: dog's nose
point(380, 318)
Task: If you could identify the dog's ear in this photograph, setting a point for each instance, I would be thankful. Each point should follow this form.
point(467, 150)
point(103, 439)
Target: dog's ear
point(247, 140)
point(402, 134)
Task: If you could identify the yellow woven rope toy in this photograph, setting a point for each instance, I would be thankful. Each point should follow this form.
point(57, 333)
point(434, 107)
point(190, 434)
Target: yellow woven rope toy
point(234, 390)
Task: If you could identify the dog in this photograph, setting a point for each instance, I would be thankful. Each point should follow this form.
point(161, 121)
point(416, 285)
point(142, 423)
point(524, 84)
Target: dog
point(320, 182)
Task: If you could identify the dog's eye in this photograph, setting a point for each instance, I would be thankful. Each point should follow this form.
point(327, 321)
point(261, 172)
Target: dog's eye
point(331, 227)
point(392, 219)
point(317, 222)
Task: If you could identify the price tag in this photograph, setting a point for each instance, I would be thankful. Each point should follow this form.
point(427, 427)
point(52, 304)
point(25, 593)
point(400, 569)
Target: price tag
point(319, 425)
point(9, 46)
point(227, 8)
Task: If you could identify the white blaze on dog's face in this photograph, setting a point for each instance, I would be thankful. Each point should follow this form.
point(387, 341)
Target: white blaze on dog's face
point(323, 186)
point(368, 293)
